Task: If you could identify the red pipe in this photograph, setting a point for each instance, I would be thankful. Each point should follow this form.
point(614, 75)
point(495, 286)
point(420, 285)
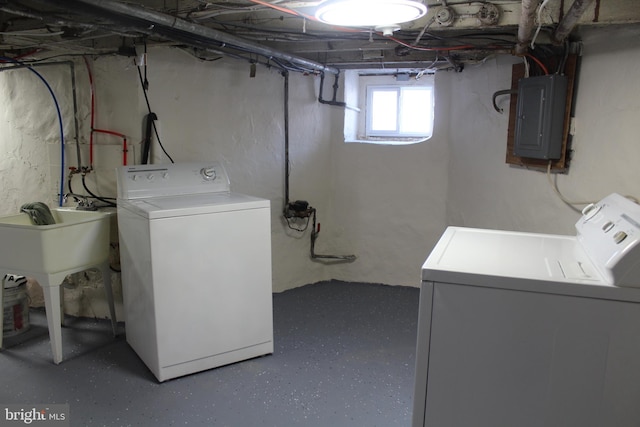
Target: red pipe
point(119, 135)
point(93, 118)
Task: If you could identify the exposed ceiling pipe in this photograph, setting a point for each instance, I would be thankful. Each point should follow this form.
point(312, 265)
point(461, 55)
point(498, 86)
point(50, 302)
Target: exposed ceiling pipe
point(570, 20)
point(180, 30)
point(526, 25)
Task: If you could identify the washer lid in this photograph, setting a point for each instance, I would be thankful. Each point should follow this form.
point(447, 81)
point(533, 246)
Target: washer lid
point(510, 254)
point(520, 261)
point(192, 204)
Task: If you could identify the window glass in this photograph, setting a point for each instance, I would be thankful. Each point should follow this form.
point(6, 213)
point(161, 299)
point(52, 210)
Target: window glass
point(415, 104)
point(399, 111)
point(384, 110)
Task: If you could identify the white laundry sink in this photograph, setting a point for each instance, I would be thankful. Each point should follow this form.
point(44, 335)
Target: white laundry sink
point(77, 238)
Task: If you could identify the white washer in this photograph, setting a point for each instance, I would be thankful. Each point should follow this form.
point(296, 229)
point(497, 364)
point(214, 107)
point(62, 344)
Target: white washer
point(524, 329)
point(196, 268)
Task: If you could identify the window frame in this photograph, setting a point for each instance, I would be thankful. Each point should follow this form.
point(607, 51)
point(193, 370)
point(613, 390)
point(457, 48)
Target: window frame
point(355, 82)
point(400, 91)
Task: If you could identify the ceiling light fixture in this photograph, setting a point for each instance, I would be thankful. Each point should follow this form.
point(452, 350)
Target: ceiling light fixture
point(369, 13)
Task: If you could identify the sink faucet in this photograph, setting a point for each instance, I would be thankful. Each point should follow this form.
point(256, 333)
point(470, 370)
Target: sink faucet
point(84, 203)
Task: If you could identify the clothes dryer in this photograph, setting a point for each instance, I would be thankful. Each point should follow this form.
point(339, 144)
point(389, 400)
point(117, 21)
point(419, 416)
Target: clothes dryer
point(525, 329)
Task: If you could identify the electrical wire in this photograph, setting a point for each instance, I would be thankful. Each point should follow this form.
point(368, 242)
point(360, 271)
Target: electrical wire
point(61, 128)
point(431, 49)
point(535, 36)
point(540, 64)
point(554, 187)
point(155, 129)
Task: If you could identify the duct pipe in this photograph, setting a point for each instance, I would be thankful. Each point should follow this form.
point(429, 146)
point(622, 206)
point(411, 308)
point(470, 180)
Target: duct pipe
point(570, 20)
point(525, 27)
point(183, 31)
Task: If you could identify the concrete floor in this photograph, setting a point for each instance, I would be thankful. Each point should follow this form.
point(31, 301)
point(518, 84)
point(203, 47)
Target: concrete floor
point(344, 356)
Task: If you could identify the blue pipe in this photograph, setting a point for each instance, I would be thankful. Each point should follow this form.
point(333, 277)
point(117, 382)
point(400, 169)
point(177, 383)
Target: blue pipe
point(55, 101)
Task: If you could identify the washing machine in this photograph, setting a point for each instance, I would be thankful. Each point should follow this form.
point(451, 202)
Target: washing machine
point(196, 268)
point(528, 330)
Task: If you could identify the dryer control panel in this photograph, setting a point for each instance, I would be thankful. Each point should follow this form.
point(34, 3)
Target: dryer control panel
point(174, 179)
point(609, 231)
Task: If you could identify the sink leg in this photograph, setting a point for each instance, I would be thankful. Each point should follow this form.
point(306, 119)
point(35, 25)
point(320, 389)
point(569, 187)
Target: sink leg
point(52, 307)
point(2, 274)
point(106, 280)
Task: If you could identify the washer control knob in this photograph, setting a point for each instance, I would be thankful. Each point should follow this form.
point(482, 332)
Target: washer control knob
point(619, 236)
point(135, 177)
point(165, 175)
point(151, 177)
point(590, 211)
point(607, 226)
point(208, 173)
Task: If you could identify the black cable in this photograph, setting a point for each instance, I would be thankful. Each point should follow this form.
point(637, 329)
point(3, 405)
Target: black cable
point(155, 129)
point(102, 199)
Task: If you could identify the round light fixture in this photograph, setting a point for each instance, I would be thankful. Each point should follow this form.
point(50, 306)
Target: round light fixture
point(369, 13)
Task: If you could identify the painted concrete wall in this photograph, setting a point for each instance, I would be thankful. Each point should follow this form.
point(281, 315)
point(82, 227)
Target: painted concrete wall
point(486, 192)
point(206, 110)
point(386, 204)
point(390, 202)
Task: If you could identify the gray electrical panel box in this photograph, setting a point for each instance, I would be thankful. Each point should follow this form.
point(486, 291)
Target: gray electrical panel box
point(540, 117)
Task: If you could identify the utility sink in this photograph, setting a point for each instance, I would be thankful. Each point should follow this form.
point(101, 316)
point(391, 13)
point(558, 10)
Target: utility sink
point(77, 238)
point(78, 241)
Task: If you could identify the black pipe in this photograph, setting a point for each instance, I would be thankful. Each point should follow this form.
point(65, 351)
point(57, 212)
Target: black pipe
point(285, 74)
point(177, 29)
point(335, 92)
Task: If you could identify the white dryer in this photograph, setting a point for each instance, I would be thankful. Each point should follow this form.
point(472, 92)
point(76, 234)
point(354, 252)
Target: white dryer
point(196, 268)
point(528, 330)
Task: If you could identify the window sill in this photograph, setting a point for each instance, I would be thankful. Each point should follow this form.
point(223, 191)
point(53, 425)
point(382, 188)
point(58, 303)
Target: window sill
point(386, 141)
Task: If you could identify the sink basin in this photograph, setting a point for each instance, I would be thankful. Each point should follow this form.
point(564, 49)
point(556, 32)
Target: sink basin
point(77, 238)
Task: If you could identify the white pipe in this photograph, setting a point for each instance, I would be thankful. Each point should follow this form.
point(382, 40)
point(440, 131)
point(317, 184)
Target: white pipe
point(570, 20)
point(526, 25)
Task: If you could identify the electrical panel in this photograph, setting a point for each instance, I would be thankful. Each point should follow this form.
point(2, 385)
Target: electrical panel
point(540, 116)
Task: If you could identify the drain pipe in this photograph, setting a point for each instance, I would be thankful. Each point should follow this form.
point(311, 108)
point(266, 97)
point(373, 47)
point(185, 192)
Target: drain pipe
point(570, 20)
point(525, 27)
point(180, 30)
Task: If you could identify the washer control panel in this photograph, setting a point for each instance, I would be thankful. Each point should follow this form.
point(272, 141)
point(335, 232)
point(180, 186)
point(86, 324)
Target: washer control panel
point(174, 179)
point(609, 231)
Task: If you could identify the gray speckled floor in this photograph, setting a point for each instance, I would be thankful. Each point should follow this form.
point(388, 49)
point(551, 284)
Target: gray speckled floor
point(344, 356)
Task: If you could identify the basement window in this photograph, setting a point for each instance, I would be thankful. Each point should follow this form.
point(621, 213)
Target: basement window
point(391, 109)
point(399, 111)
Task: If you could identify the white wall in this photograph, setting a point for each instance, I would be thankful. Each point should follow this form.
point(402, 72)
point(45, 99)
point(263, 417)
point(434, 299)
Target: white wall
point(386, 204)
point(389, 203)
point(206, 110)
point(486, 192)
